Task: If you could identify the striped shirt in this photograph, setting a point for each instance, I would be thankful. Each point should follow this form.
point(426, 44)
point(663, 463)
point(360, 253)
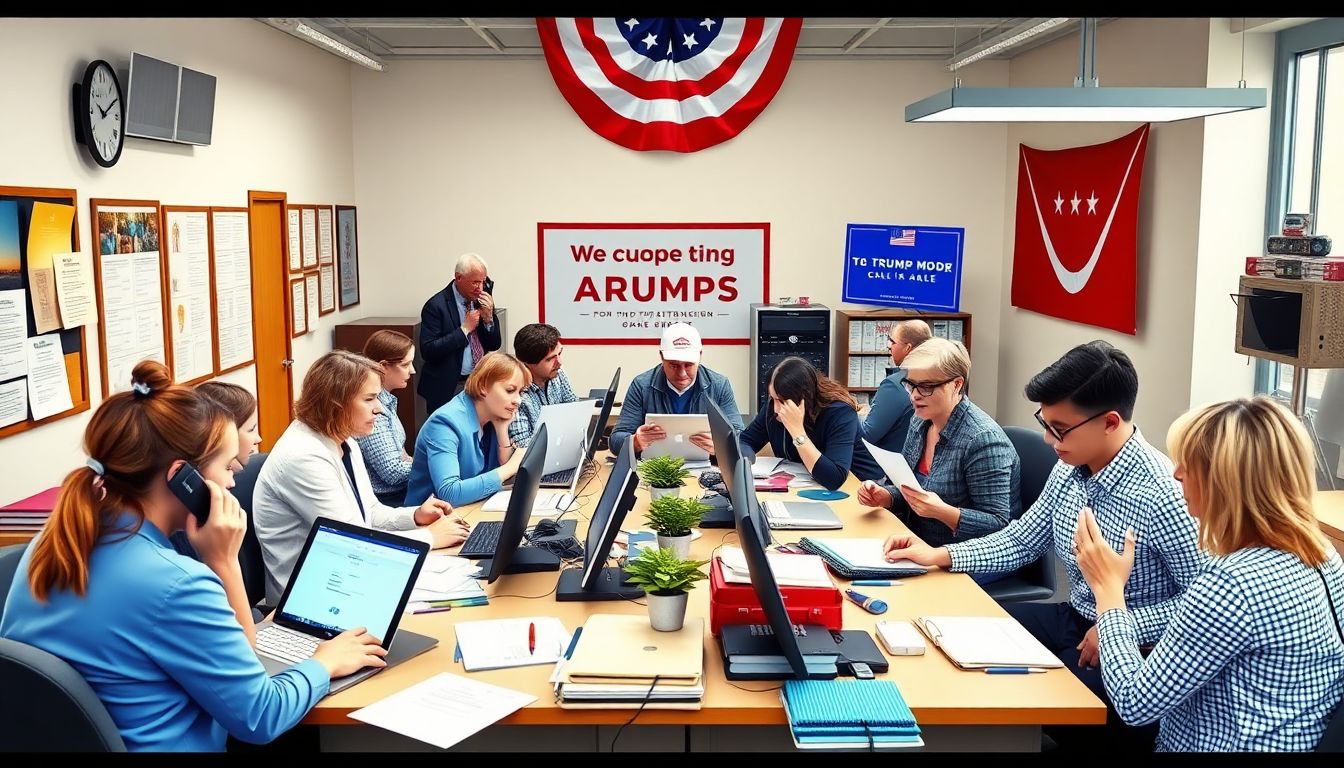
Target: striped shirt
point(1135, 490)
point(382, 450)
point(1249, 662)
point(528, 416)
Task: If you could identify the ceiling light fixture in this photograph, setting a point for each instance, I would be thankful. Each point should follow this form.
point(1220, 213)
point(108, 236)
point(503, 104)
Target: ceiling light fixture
point(1007, 40)
point(1085, 102)
point(309, 32)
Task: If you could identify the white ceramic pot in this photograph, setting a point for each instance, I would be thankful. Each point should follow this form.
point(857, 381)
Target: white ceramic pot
point(680, 545)
point(667, 612)
point(658, 493)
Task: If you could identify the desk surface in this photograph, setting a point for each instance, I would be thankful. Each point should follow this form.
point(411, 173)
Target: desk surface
point(1330, 513)
point(937, 692)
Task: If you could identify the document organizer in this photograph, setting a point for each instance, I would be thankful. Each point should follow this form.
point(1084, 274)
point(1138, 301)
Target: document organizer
point(849, 714)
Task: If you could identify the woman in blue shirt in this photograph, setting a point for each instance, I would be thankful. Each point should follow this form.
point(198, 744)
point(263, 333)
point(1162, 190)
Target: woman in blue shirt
point(172, 656)
point(463, 453)
point(384, 448)
point(962, 459)
point(813, 420)
point(1253, 659)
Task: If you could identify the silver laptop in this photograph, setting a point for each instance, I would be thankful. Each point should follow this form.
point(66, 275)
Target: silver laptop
point(346, 576)
point(566, 441)
point(679, 428)
point(800, 515)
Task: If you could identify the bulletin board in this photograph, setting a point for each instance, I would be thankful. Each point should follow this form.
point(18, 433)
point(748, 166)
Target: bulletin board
point(73, 343)
point(129, 275)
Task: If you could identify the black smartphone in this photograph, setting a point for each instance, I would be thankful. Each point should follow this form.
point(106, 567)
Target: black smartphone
point(189, 488)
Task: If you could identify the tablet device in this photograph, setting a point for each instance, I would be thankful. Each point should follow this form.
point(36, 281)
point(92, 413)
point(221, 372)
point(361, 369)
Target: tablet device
point(679, 428)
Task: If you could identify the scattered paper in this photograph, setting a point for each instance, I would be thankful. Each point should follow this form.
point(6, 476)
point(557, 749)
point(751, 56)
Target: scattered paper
point(765, 466)
point(894, 464)
point(789, 570)
point(74, 289)
point(48, 387)
point(13, 402)
point(443, 710)
point(499, 643)
point(13, 334)
point(544, 504)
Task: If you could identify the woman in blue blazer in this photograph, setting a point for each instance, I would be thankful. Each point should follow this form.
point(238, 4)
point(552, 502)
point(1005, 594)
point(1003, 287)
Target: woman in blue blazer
point(463, 453)
point(813, 420)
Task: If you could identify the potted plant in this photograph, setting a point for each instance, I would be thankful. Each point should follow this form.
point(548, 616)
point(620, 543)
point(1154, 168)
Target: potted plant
point(672, 518)
point(666, 579)
point(664, 474)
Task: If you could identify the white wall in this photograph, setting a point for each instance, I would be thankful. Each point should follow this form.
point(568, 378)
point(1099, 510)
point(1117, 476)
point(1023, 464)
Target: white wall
point(1176, 245)
point(469, 155)
point(282, 123)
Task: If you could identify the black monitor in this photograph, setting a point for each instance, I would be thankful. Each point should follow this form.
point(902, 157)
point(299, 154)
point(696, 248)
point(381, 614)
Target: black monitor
point(600, 425)
point(746, 506)
point(509, 557)
point(593, 581)
point(727, 445)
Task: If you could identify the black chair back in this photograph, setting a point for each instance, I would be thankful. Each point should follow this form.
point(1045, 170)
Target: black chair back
point(49, 707)
point(1036, 580)
point(1333, 738)
point(249, 556)
point(9, 563)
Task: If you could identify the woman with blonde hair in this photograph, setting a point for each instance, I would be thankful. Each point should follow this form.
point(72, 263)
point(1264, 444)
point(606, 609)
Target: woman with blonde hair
point(968, 469)
point(165, 641)
point(385, 447)
point(1253, 659)
point(316, 468)
point(463, 452)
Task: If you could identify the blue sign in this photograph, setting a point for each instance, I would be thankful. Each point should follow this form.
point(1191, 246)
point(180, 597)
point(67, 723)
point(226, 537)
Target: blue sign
point(903, 266)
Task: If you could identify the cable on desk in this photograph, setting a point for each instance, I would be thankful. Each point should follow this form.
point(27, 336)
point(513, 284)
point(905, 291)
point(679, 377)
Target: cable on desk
point(647, 696)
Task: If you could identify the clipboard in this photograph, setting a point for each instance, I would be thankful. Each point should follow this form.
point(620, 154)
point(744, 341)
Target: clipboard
point(982, 642)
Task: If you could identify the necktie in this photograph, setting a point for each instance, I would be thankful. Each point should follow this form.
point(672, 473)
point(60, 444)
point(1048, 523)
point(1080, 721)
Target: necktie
point(477, 350)
point(350, 470)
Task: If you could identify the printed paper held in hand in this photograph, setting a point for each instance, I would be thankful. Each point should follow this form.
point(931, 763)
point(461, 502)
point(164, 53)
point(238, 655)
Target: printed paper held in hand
point(444, 709)
point(500, 643)
point(894, 464)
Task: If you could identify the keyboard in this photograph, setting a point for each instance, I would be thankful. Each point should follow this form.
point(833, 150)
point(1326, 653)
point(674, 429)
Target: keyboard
point(482, 539)
point(285, 644)
point(775, 510)
point(562, 478)
point(766, 630)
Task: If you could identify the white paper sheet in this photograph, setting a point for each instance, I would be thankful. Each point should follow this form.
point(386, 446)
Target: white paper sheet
point(789, 570)
point(190, 325)
point(74, 289)
point(48, 387)
point(13, 334)
point(233, 288)
point(443, 710)
point(13, 402)
point(499, 643)
point(894, 464)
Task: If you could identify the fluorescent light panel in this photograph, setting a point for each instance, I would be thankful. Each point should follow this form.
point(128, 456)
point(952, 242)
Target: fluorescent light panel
point(338, 47)
point(1008, 42)
point(1081, 104)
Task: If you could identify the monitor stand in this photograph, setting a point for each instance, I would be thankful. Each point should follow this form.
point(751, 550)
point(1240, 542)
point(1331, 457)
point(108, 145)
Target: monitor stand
point(526, 560)
point(720, 514)
point(611, 585)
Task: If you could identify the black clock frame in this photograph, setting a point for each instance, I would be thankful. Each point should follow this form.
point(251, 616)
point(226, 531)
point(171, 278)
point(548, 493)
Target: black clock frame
point(83, 128)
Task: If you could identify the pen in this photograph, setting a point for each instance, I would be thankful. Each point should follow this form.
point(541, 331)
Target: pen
point(434, 609)
point(874, 583)
point(457, 653)
point(531, 637)
point(573, 642)
point(1012, 670)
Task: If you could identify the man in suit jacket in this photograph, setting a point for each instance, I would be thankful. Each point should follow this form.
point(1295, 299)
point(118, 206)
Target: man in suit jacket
point(457, 328)
point(888, 419)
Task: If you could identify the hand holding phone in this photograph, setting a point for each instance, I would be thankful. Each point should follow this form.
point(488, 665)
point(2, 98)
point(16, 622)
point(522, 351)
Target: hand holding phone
point(189, 487)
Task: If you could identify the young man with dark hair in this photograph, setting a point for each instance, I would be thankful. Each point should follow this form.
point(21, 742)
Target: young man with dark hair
point(538, 346)
point(1086, 408)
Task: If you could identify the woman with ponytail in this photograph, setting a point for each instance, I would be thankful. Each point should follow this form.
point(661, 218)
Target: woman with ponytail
point(163, 640)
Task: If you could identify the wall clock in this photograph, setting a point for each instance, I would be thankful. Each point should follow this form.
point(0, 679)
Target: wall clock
point(100, 113)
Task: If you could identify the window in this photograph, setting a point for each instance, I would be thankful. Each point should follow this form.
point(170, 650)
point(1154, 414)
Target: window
point(1306, 172)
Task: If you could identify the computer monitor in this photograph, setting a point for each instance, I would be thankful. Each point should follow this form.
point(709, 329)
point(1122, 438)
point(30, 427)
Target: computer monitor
point(509, 557)
point(762, 578)
point(603, 414)
point(593, 581)
point(727, 444)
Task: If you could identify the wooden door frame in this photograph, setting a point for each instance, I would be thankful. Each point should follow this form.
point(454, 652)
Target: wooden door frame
point(254, 196)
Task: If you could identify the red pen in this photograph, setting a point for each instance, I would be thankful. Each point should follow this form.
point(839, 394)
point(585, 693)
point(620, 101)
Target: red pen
point(531, 637)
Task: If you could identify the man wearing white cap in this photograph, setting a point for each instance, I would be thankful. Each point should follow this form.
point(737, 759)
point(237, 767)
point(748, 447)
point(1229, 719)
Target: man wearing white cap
point(680, 385)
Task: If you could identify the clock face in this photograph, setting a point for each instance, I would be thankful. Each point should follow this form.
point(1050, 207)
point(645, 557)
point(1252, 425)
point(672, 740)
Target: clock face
point(104, 123)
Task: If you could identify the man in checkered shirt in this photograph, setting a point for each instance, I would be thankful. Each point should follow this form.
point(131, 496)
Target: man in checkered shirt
point(1086, 408)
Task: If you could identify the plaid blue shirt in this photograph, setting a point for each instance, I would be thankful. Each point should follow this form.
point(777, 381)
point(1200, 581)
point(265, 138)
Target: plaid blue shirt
point(1249, 662)
point(528, 416)
point(382, 449)
point(1135, 490)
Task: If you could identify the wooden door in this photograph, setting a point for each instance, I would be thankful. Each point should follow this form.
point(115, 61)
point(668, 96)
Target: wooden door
point(270, 283)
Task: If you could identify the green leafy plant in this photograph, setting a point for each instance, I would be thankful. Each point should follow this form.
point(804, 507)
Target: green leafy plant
point(661, 572)
point(663, 471)
point(675, 516)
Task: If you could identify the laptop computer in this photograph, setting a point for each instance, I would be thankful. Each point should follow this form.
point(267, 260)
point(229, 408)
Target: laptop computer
point(800, 515)
point(346, 576)
point(679, 428)
point(566, 440)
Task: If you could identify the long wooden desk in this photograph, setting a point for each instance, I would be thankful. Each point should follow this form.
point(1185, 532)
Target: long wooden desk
point(1330, 514)
point(938, 693)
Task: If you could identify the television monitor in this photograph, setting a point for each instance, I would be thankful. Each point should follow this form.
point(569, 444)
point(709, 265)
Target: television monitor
point(509, 557)
point(593, 581)
point(814, 665)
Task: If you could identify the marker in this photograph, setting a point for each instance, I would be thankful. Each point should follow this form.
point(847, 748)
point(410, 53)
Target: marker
point(1012, 670)
point(869, 604)
point(874, 583)
point(531, 638)
point(434, 609)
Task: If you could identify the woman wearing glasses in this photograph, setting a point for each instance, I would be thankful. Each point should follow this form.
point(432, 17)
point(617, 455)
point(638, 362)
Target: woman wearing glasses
point(964, 462)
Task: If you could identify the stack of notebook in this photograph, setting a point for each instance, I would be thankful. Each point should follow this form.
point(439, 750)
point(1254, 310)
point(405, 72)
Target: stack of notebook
point(859, 558)
point(849, 714)
point(30, 514)
point(621, 662)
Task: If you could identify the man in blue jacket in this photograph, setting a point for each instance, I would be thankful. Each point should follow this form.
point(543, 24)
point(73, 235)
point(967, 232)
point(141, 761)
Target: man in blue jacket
point(680, 385)
point(888, 419)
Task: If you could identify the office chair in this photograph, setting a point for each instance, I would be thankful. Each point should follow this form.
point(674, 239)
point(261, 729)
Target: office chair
point(1333, 738)
point(49, 707)
point(9, 563)
point(249, 555)
point(1034, 581)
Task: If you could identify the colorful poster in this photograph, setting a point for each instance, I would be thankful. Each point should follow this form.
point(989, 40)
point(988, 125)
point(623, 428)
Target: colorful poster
point(904, 266)
point(48, 235)
point(11, 268)
point(132, 291)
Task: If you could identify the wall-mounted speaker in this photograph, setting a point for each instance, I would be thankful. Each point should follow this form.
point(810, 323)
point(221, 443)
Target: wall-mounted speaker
point(168, 102)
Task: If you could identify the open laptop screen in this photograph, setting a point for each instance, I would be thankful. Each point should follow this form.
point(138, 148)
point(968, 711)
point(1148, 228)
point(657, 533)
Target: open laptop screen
point(350, 577)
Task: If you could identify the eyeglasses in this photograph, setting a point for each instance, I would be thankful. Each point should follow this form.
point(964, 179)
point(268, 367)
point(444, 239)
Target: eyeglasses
point(1059, 435)
point(925, 390)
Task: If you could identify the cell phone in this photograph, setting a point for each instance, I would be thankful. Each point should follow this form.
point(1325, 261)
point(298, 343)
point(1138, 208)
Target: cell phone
point(189, 488)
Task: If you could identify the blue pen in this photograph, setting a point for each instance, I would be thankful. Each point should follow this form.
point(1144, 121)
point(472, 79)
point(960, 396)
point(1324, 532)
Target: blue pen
point(1012, 670)
point(874, 583)
point(457, 653)
point(573, 641)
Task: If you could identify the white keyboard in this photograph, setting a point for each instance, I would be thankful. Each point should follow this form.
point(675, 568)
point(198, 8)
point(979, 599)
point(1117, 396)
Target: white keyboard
point(285, 644)
point(775, 510)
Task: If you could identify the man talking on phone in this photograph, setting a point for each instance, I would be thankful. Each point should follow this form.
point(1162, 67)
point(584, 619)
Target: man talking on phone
point(457, 328)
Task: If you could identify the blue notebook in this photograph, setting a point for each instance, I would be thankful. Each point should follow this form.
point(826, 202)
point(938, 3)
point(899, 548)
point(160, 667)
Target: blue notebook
point(849, 714)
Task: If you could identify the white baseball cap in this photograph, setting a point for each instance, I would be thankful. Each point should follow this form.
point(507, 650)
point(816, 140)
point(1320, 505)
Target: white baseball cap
point(681, 342)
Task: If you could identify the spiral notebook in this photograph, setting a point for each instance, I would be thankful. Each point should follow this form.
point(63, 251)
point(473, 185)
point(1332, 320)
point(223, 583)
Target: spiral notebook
point(849, 714)
point(858, 558)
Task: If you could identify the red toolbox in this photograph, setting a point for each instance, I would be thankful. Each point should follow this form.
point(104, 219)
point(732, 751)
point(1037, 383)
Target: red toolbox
point(737, 603)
